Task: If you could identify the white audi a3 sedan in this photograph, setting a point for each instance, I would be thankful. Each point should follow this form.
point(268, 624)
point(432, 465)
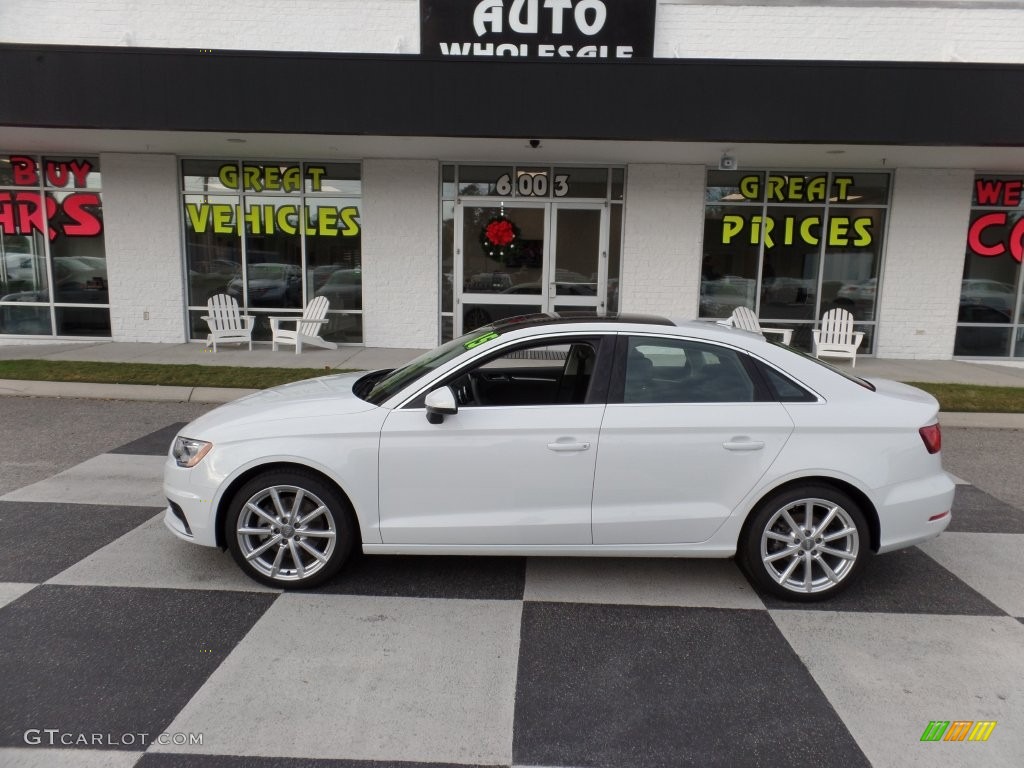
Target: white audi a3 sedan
point(556, 435)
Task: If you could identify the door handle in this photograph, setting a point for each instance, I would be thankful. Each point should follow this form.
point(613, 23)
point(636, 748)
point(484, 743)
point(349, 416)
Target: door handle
point(566, 447)
point(743, 444)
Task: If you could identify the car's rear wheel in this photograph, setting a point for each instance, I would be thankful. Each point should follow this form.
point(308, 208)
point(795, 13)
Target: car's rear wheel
point(805, 543)
point(289, 529)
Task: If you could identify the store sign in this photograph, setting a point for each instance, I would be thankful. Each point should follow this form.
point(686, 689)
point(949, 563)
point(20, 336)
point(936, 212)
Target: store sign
point(797, 228)
point(318, 219)
point(1000, 232)
point(532, 185)
point(538, 29)
point(23, 212)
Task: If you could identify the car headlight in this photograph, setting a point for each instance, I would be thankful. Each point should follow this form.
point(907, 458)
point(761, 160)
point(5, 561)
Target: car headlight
point(188, 452)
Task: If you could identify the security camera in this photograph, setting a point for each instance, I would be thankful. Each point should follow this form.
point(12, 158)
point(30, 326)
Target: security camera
point(534, 143)
point(727, 163)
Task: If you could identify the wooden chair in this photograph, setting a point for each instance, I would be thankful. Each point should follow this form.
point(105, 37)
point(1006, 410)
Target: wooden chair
point(307, 328)
point(745, 319)
point(226, 323)
point(836, 338)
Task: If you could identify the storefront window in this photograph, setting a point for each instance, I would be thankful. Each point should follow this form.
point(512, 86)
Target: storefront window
point(274, 236)
point(53, 267)
point(791, 246)
point(991, 315)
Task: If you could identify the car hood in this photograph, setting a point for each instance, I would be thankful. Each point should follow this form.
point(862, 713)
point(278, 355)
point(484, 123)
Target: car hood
point(319, 398)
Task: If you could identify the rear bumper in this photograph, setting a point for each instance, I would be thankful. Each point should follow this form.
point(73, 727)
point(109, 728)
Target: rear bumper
point(908, 512)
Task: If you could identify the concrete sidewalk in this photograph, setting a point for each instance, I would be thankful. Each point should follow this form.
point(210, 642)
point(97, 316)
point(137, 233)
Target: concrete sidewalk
point(1009, 374)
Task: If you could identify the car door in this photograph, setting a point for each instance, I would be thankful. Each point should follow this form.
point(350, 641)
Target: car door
point(515, 464)
point(687, 434)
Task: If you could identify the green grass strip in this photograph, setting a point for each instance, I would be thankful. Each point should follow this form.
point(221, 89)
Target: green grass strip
point(952, 397)
point(150, 373)
point(970, 398)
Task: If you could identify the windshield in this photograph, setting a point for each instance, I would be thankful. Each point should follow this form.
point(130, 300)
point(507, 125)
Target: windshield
point(400, 378)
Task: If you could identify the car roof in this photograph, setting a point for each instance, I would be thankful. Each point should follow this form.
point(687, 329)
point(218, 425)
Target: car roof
point(521, 322)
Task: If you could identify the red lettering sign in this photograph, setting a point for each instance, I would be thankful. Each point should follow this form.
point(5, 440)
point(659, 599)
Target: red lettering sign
point(59, 173)
point(1001, 192)
point(982, 245)
point(22, 213)
point(24, 169)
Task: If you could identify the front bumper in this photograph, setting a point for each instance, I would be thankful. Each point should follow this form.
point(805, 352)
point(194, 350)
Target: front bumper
point(194, 502)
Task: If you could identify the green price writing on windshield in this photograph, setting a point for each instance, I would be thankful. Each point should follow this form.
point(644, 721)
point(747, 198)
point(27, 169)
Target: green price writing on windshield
point(480, 340)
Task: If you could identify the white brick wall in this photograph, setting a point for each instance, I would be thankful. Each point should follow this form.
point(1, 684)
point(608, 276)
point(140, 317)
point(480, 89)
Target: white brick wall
point(839, 31)
point(355, 26)
point(400, 253)
point(924, 263)
point(662, 239)
point(937, 31)
point(143, 243)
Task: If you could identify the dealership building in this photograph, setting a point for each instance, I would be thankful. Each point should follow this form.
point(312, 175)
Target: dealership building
point(432, 166)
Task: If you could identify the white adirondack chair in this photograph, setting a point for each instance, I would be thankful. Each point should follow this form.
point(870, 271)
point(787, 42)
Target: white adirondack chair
point(837, 337)
point(226, 323)
point(307, 328)
point(744, 318)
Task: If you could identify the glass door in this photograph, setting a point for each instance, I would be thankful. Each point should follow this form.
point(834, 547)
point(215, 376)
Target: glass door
point(577, 280)
point(528, 257)
point(501, 261)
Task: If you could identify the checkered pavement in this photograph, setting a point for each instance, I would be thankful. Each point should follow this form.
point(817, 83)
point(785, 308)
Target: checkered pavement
point(112, 631)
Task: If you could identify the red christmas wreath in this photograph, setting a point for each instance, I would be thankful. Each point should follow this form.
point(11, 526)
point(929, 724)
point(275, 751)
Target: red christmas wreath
point(500, 238)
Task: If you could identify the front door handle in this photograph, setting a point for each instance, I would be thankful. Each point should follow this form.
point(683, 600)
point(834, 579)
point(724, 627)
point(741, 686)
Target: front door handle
point(743, 444)
point(566, 447)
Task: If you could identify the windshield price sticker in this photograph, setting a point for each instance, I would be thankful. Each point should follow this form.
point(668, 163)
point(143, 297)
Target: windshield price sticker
point(474, 343)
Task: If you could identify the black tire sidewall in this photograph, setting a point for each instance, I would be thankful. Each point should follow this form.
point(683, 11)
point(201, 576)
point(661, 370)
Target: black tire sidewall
point(749, 549)
point(336, 503)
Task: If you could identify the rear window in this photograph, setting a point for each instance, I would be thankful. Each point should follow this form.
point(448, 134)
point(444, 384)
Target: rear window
point(849, 376)
point(784, 389)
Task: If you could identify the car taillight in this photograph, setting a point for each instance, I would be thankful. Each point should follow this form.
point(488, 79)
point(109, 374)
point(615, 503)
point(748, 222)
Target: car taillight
point(932, 437)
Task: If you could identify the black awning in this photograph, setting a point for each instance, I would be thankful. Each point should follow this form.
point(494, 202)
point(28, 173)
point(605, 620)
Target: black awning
point(662, 100)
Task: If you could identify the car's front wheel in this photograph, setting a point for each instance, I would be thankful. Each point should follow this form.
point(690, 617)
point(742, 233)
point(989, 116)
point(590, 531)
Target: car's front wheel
point(805, 543)
point(289, 529)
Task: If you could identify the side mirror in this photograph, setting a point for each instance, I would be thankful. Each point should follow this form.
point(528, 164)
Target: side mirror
point(440, 403)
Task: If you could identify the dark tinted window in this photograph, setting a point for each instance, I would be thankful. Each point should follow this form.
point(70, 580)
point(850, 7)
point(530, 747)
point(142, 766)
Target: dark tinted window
point(662, 370)
point(784, 389)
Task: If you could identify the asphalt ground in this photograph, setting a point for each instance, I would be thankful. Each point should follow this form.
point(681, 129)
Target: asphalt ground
point(108, 624)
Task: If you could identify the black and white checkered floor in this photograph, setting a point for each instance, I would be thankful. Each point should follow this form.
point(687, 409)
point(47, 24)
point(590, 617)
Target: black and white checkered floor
point(112, 632)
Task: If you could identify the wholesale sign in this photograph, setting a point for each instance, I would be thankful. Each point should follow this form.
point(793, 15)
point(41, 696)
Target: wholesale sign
point(606, 30)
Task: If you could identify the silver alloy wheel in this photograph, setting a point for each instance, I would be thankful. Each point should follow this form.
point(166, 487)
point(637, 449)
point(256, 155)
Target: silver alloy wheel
point(286, 533)
point(810, 545)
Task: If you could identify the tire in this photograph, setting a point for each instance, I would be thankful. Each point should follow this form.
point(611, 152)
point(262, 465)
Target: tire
point(779, 556)
point(267, 544)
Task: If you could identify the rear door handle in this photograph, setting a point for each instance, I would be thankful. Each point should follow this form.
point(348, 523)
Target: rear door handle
point(566, 447)
point(743, 444)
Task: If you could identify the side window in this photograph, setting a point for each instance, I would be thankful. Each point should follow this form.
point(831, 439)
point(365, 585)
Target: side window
point(660, 370)
point(784, 389)
point(538, 374)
